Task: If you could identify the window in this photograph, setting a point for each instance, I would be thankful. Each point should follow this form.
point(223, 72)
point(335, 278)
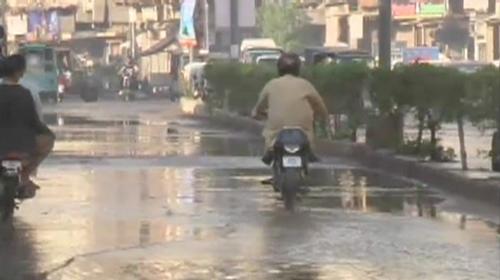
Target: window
point(49, 55)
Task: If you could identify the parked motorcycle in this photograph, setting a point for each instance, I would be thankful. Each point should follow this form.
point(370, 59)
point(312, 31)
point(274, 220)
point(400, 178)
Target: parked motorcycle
point(290, 164)
point(10, 179)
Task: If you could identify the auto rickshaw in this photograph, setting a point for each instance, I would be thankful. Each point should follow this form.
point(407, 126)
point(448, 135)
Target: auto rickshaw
point(41, 70)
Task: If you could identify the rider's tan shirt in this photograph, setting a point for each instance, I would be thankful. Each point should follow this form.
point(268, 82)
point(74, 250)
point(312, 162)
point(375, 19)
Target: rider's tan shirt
point(290, 102)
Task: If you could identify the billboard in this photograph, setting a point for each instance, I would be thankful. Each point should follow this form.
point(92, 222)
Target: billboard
point(43, 25)
point(187, 31)
point(404, 10)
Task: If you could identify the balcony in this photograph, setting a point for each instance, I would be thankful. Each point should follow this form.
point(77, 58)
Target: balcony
point(41, 4)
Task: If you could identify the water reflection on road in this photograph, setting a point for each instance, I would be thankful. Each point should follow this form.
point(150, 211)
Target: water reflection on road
point(171, 223)
point(84, 136)
point(182, 200)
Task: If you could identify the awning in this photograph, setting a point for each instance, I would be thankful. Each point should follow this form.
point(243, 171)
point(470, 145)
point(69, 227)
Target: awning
point(160, 46)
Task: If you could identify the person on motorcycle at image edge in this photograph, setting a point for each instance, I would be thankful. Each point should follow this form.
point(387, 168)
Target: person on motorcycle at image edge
point(291, 101)
point(22, 131)
point(130, 70)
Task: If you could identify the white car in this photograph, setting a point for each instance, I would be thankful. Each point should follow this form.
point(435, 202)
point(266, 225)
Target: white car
point(268, 59)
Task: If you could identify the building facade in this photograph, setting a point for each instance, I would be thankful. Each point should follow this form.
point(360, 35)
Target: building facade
point(354, 23)
point(230, 21)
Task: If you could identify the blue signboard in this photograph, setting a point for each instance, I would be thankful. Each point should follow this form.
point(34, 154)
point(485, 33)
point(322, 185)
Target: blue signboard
point(187, 33)
point(411, 55)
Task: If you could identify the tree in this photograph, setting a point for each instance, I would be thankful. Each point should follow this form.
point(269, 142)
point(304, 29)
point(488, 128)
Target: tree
point(342, 86)
point(421, 95)
point(452, 104)
point(283, 23)
point(483, 98)
point(390, 100)
point(454, 33)
point(439, 99)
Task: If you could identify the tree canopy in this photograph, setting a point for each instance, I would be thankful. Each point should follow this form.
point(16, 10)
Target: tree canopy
point(283, 23)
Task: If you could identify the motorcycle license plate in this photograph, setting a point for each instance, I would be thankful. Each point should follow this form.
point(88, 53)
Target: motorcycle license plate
point(293, 162)
point(12, 164)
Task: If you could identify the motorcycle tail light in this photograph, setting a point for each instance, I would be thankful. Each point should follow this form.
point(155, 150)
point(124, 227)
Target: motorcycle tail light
point(292, 149)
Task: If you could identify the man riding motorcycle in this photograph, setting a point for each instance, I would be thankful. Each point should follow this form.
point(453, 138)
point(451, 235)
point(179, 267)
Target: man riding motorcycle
point(290, 101)
point(22, 131)
point(129, 74)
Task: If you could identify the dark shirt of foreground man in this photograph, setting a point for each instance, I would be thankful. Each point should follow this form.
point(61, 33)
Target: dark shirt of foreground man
point(19, 121)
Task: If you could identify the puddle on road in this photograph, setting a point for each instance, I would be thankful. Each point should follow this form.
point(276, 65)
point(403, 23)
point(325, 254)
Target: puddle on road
point(81, 136)
point(60, 120)
point(88, 210)
point(357, 190)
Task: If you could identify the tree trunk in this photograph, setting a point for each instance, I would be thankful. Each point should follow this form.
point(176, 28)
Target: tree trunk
point(354, 135)
point(461, 137)
point(495, 147)
point(225, 102)
point(421, 127)
point(433, 130)
point(397, 120)
point(495, 152)
point(336, 123)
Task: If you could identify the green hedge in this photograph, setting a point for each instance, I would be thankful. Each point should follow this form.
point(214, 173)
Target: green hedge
point(237, 86)
point(433, 94)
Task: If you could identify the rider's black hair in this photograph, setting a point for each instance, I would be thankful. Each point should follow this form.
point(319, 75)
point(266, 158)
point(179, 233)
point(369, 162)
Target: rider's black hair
point(289, 64)
point(11, 65)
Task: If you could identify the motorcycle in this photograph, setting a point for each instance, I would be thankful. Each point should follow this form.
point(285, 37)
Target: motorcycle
point(291, 156)
point(62, 89)
point(127, 93)
point(10, 179)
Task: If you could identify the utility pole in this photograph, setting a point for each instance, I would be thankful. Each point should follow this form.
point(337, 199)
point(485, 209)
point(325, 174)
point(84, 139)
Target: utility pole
point(3, 29)
point(385, 33)
point(207, 31)
point(133, 49)
point(133, 31)
point(234, 23)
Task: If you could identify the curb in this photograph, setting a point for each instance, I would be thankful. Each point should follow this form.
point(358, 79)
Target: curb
point(384, 160)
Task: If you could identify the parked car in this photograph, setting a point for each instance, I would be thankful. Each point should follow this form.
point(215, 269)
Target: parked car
point(316, 55)
point(268, 59)
point(250, 55)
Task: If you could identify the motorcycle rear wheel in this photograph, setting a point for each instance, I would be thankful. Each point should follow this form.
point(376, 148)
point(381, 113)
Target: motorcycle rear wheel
point(8, 199)
point(290, 184)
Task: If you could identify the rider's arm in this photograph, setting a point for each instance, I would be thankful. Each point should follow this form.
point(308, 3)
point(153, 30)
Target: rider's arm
point(260, 107)
point(318, 105)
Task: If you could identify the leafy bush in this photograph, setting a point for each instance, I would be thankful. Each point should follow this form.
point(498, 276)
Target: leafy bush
point(426, 149)
point(237, 86)
point(434, 94)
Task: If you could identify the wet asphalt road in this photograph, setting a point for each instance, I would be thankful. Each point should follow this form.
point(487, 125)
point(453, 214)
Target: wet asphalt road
point(135, 191)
